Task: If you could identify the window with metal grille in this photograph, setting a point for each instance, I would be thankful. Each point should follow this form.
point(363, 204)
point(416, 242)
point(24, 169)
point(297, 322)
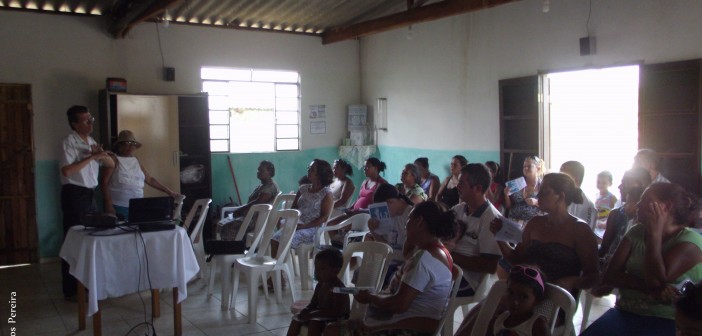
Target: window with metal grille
point(251, 110)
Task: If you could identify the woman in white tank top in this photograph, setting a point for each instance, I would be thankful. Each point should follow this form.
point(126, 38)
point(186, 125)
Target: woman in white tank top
point(126, 179)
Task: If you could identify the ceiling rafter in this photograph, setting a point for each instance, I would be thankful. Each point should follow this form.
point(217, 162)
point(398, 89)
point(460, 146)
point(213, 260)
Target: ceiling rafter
point(130, 13)
point(413, 15)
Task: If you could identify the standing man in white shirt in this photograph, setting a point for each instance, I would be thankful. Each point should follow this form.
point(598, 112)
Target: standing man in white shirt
point(476, 251)
point(585, 210)
point(81, 158)
point(648, 159)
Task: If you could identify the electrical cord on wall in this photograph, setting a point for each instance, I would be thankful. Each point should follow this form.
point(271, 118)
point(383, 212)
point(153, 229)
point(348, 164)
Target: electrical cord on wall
point(160, 49)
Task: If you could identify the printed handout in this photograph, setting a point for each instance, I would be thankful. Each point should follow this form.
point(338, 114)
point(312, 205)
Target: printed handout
point(510, 232)
point(516, 185)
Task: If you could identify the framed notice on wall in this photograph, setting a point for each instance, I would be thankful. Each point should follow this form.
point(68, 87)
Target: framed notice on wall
point(318, 127)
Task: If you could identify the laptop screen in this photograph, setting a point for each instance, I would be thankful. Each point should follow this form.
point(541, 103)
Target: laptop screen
point(150, 209)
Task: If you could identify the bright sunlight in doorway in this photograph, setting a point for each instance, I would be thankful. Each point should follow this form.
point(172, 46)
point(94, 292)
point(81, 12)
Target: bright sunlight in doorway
point(593, 119)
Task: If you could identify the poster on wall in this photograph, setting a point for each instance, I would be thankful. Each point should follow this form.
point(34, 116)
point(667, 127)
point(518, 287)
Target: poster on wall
point(318, 111)
point(318, 127)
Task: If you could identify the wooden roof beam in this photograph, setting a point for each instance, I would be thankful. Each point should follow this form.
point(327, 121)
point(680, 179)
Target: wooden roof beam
point(135, 12)
point(413, 15)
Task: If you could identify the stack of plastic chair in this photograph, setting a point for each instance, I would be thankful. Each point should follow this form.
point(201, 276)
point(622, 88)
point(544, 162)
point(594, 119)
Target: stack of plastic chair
point(225, 261)
point(256, 264)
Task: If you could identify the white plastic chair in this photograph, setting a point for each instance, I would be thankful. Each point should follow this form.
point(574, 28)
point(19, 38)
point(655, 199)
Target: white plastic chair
point(283, 201)
point(465, 302)
point(557, 295)
point(359, 228)
point(256, 263)
point(371, 271)
point(178, 202)
point(199, 209)
point(225, 261)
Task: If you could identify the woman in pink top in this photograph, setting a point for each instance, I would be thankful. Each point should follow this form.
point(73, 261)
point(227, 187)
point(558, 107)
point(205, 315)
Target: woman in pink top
point(372, 170)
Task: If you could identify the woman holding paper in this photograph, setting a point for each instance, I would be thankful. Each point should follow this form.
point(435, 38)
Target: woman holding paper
point(563, 246)
point(521, 194)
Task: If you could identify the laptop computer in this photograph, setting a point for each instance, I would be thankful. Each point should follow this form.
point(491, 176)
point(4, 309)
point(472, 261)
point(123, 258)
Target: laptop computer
point(152, 213)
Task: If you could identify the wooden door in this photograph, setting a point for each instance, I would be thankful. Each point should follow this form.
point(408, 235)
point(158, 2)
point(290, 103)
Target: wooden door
point(18, 226)
point(519, 123)
point(669, 118)
point(154, 121)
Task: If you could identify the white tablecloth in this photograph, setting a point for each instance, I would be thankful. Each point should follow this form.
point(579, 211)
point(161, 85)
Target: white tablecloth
point(112, 266)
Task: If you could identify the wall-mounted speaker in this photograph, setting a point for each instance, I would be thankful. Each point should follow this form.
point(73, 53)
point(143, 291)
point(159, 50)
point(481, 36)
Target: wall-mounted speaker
point(587, 46)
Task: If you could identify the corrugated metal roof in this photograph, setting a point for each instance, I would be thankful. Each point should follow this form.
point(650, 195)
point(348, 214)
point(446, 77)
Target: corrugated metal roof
point(333, 20)
point(296, 16)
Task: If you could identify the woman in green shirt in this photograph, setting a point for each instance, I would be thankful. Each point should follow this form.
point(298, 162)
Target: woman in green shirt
point(652, 258)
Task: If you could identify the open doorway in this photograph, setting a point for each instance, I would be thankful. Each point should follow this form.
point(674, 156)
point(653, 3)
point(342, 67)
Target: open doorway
point(593, 118)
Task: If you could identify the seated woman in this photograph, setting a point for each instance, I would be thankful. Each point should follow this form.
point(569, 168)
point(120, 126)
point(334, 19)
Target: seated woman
point(651, 259)
point(342, 188)
point(409, 186)
point(563, 246)
point(416, 306)
point(264, 193)
point(372, 170)
point(523, 205)
point(314, 202)
point(448, 194)
point(429, 182)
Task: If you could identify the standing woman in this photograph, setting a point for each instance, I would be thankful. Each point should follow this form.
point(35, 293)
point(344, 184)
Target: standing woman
point(652, 258)
point(126, 179)
point(524, 205)
point(448, 194)
point(563, 246)
point(342, 188)
point(314, 202)
point(409, 186)
point(428, 181)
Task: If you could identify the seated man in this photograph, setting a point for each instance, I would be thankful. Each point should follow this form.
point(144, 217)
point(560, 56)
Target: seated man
point(476, 251)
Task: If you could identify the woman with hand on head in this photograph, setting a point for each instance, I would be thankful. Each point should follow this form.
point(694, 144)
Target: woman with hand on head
point(523, 205)
point(563, 246)
point(126, 179)
point(653, 257)
point(448, 194)
point(409, 186)
point(428, 181)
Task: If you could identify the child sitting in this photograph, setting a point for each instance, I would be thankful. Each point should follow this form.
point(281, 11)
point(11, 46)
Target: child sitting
point(325, 306)
point(525, 288)
point(516, 313)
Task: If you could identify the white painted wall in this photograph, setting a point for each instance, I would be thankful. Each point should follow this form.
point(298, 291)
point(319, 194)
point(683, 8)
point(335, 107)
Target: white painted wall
point(66, 60)
point(444, 80)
